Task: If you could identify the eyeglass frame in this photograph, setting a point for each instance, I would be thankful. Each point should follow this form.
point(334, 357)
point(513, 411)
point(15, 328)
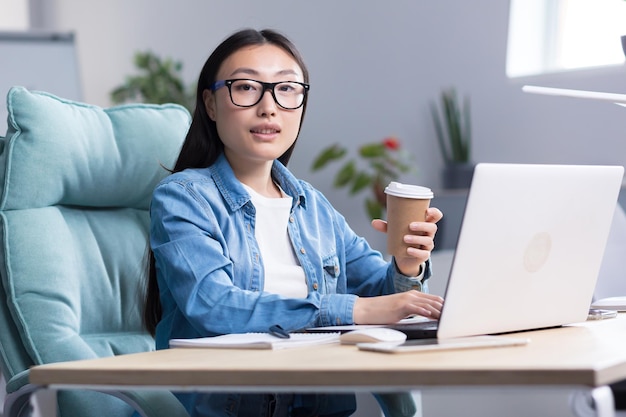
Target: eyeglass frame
point(266, 86)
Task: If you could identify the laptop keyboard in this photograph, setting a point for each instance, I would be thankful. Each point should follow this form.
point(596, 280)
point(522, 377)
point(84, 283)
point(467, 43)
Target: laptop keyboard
point(420, 330)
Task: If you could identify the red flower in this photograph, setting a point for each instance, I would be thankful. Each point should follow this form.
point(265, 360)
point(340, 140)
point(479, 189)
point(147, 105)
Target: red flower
point(391, 143)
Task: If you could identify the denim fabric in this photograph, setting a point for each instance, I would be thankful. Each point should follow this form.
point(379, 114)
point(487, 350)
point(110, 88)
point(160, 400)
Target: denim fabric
point(210, 272)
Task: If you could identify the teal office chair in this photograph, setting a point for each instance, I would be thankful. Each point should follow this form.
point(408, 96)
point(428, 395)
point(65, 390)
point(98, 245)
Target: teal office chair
point(75, 186)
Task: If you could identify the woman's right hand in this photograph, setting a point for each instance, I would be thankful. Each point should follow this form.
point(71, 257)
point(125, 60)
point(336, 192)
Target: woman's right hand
point(387, 309)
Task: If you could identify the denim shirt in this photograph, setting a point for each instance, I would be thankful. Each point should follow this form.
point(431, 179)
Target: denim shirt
point(210, 272)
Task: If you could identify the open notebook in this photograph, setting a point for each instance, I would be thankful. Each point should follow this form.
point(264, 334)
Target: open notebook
point(257, 341)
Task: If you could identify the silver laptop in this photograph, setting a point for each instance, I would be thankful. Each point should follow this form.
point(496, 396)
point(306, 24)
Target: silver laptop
point(529, 250)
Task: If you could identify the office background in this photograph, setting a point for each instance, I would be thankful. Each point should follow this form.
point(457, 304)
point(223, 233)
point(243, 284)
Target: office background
point(374, 68)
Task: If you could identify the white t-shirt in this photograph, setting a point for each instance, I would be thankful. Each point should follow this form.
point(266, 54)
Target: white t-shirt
point(283, 273)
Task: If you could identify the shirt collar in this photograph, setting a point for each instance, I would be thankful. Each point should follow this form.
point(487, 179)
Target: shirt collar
point(236, 195)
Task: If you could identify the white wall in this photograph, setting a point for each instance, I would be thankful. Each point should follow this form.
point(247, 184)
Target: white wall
point(374, 67)
point(14, 15)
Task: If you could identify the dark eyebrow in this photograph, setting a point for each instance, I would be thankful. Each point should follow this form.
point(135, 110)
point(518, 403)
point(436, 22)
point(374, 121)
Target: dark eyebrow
point(250, 71)
point(247, 71)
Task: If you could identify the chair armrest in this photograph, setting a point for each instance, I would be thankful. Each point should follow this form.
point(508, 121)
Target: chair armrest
point(17, 402)
point(17, 382)
point(160, 403)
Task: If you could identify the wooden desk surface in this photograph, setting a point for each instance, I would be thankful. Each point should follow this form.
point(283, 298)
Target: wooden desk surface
point(589, 354)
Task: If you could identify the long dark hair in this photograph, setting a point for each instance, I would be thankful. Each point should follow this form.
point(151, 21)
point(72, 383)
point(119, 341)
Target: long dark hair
point(203, 145)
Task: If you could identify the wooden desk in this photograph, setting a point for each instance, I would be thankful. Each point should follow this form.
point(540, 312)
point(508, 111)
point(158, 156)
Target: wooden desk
point(591, 354)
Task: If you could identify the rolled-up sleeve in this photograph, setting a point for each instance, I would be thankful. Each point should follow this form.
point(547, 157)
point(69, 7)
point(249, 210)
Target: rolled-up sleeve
point(403, 283)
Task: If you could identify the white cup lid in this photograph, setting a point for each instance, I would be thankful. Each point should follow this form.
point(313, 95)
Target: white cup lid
point(398, 189)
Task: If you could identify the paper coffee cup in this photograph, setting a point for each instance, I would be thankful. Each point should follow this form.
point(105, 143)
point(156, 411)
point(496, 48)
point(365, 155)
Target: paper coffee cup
point(405, 204)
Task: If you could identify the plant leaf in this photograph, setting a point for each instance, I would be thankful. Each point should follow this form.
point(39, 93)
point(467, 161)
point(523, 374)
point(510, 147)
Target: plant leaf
point(345, 174)
point(439, 132)
point(467, 131)
point(330, 153)
point(373, 150)
point(159, 82)
point(453, 116)
point(361, 181)
point(374, 209)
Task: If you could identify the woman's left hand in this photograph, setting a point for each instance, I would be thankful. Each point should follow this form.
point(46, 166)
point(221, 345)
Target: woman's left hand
point(421, 241)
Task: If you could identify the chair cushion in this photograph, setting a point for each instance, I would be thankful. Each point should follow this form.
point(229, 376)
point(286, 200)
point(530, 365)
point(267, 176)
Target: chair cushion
point(76, 182)
point(63, 152)
point(82, 296)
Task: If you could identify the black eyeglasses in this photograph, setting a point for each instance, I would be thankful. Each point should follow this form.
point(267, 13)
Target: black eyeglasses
point(244, 92)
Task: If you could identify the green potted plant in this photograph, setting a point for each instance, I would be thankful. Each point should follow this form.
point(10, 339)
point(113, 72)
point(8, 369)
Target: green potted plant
point(380, 163)
point(159, 82)
point(454, 135)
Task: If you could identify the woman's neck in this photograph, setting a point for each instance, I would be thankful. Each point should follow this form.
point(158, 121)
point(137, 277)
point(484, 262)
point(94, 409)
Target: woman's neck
point(258, 177)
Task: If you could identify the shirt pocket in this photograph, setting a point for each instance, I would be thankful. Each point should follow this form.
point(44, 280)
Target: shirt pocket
point(331, 273)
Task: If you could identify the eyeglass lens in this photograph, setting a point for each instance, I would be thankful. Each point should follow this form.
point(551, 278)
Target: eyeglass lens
point(289, 95)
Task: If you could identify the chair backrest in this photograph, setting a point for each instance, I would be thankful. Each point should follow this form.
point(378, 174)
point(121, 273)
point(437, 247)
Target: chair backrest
point(75, 187)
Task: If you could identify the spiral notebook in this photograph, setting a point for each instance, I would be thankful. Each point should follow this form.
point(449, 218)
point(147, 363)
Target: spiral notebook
point(257, 341)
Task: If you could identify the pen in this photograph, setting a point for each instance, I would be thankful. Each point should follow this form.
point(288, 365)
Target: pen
point(278, 331)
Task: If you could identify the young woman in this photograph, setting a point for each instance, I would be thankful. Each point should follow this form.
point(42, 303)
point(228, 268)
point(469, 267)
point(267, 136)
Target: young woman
point(239, 244)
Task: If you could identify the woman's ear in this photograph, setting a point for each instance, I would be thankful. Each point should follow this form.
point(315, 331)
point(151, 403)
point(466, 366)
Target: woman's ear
point(209, 103)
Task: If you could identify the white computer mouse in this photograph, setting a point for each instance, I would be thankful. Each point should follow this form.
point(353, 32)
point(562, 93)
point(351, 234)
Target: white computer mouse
point(372, 335)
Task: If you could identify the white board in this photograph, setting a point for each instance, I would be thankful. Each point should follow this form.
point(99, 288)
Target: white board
point(42, 61)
